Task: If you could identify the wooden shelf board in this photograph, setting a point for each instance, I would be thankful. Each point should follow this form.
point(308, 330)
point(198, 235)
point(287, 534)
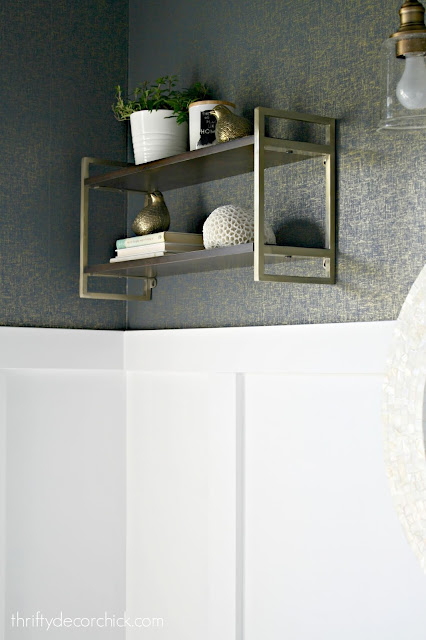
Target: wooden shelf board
point(197, 261)
point(203, 165)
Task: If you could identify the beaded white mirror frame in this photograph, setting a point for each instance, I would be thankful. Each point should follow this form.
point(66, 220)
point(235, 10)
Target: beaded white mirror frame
point(404, 417)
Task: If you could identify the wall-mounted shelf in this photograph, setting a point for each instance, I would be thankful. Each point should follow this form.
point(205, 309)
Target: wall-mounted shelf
point(241, 255)
point(245, 155)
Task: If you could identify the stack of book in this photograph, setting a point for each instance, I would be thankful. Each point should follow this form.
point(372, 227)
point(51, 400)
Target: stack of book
point(157, 244)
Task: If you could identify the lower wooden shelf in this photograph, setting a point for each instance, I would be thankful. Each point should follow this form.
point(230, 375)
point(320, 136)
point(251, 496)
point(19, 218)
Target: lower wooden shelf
point(233, 257)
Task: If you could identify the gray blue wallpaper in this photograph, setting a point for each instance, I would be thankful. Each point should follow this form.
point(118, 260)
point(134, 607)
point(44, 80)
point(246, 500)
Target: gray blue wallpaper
point(320, 57)
point(59, 63)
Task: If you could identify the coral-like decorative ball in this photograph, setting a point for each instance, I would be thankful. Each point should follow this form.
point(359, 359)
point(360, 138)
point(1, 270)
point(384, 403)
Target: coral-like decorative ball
point(229, 225)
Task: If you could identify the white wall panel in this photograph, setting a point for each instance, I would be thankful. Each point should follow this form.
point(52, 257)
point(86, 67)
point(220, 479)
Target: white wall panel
point(325, 556)
point(181, 505)
point(320, 553)
point(2, 504)
point(65, 499)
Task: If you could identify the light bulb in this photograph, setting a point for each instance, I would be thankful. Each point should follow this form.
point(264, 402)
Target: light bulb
point(411, 89)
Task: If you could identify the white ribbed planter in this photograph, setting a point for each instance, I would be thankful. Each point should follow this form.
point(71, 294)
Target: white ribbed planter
point(155, 135)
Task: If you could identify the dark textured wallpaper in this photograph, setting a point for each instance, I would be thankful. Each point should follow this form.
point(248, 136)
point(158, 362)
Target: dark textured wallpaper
point(59, 63)
point(320, 57)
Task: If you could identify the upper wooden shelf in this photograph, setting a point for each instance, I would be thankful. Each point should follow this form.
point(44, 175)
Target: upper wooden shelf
point(205, 165)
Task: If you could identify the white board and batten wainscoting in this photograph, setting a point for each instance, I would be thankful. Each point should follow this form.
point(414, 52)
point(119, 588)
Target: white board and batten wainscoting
point(257, 499)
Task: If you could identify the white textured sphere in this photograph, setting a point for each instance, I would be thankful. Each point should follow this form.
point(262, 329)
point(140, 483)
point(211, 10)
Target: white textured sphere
point(404, 417)
point(229, 225)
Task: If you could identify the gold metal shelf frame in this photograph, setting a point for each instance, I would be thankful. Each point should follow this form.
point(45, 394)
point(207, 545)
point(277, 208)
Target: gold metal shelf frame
point(251, 154)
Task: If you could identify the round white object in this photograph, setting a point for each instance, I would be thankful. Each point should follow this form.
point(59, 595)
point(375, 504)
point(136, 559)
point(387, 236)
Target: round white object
point(202, 125)
point(229, 225)
point(404, 417)
point(156, 135)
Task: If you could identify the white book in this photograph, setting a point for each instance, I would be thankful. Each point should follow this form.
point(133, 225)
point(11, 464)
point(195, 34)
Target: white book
point(155, 254)
point(162, 236)
point(174, 247)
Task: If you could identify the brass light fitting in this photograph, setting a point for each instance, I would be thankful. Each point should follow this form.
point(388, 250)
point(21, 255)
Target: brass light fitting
point(404, 71)
point(412, 22)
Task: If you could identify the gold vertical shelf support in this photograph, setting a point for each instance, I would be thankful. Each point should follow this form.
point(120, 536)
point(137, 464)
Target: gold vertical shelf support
point(259, 194)
point(148, 283)
point(330, 203)
point(328, 152)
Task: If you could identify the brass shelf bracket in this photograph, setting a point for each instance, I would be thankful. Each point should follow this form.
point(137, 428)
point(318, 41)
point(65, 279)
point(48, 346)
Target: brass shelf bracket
point(148, 283)
point(328, 152)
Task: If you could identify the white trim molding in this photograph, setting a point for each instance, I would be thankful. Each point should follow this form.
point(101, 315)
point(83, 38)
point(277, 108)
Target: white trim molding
point(327, 348)
point(333, 348)
point(33, 348)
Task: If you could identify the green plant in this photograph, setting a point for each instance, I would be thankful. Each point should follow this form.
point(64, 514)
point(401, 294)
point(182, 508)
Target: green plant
point(179, 101)
point(159, 95)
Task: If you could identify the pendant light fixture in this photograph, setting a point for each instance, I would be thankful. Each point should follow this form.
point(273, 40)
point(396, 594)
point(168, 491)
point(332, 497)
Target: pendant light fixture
point(404, 102)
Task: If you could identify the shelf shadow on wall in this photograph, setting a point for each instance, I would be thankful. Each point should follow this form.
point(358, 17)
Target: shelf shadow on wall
point(300, 233)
